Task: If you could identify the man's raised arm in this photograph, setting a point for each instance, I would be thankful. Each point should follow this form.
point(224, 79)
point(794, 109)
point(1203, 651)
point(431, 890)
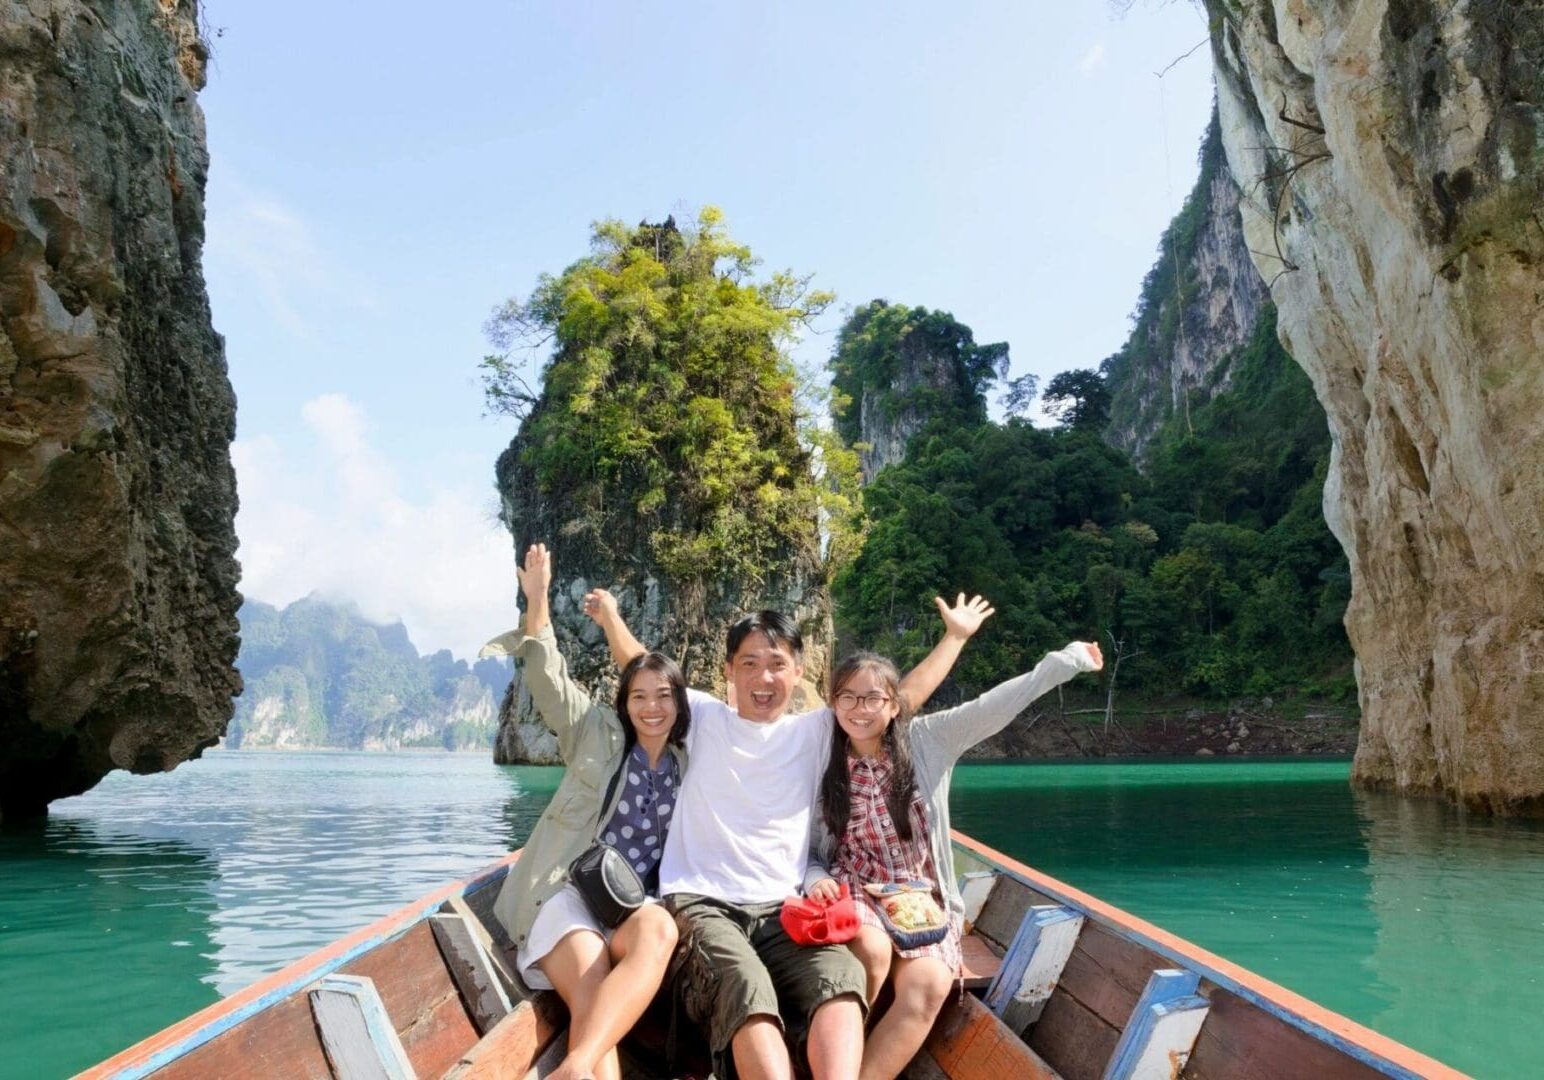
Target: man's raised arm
point(960, 622)
point(601, 606)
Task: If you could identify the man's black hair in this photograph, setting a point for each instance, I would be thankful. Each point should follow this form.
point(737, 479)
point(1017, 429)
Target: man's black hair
point(779, 629)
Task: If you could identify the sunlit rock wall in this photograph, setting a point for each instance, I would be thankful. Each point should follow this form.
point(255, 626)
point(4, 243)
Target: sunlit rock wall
point(1391, 156)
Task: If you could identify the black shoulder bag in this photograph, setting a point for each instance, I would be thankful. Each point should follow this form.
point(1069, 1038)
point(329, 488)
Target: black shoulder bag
point(606, 880)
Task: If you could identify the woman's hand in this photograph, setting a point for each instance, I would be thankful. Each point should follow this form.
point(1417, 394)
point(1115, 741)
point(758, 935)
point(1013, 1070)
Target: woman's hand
point(536, 575)
point(824, 891)
point(601, 606)
point(966, 616)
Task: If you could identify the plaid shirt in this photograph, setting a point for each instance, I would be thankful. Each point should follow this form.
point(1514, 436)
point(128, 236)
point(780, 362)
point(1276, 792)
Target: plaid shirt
point(872, 852)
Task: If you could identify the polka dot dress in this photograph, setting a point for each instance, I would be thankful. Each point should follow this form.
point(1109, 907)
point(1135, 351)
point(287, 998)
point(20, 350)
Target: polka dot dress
point(638, 826)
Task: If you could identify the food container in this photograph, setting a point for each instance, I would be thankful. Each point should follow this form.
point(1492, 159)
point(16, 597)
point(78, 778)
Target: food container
point(910, 913)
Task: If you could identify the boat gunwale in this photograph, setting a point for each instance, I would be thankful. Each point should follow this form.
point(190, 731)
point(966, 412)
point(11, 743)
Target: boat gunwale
point(167, 1045)
point(1321, 1023)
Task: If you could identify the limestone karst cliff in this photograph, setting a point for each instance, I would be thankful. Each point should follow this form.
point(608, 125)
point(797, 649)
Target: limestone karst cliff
point(661, 457)
point(1391, 154)
point(896, 368)
point(1200, 304)
point(319, 674)
point(117, 498)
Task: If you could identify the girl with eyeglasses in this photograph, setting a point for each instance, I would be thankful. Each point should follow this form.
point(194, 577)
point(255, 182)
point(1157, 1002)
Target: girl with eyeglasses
point(884, 819)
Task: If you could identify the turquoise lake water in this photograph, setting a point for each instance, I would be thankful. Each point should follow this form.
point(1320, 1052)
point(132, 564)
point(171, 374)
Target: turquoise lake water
point(150, 897)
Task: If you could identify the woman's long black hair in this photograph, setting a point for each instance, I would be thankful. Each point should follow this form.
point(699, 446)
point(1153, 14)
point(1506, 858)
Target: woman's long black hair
point(835, 786)
point(660, 663)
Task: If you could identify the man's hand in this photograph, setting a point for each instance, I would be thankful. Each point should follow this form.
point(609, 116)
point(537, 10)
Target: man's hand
point(601, 606)
point(966, 616)
point(824, 891)
point(536, 575)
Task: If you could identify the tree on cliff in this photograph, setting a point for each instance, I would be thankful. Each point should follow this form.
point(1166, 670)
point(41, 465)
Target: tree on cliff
point(668, 421)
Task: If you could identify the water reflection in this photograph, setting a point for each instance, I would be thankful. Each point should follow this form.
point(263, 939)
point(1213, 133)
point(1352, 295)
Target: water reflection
point(91, 915)
point(151, 897)
point(1458, 902)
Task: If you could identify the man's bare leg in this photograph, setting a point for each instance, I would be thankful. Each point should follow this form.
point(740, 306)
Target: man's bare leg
point(836, 1039)
point(759, 1050)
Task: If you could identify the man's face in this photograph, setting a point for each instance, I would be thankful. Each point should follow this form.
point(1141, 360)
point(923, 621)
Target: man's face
point(764, 676)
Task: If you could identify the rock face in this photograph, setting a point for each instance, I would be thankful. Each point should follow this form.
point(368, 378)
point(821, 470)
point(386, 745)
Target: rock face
point(685, 622)
point(902, 367)
point(117, 498)
point(1393, 154)
point(1172, 363)
point(319, 674)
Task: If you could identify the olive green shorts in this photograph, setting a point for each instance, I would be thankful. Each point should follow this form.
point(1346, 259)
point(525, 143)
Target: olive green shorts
point(735, 962)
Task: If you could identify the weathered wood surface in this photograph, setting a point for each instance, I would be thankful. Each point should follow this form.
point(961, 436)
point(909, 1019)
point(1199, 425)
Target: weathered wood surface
point(979, 962)
point(356, 1033)
point(422, 1001)
point(501, 952)
point(512, 1048)
point(1033, 964)
point(1107, 973)
point(472, 969)
point(1240, 1041)
point(1005, 908)
point(279, 1041)
point(968, 1042)
point(1073, 1039)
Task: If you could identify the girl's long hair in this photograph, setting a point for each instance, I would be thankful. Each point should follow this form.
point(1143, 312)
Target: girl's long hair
point(660, 663)
point(835, 786)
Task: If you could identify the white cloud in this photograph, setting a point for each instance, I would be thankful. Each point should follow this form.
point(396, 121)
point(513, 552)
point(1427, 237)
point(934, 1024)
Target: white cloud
point(329, 515)
point(1093, 58)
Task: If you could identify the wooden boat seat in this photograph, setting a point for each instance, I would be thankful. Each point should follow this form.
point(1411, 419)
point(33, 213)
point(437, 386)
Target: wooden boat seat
point(980, 961)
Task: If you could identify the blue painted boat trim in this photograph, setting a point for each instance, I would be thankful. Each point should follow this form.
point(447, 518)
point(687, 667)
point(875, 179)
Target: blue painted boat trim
point(1355, 1050)
point(303, 978)
point(1164, 988)
point(1021, 950)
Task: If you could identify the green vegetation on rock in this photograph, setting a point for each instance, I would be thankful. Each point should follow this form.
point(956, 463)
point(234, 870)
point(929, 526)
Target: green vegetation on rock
point(668, 421)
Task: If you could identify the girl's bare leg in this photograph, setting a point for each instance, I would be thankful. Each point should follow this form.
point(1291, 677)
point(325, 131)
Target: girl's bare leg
point(873, 949)
point(921, 987)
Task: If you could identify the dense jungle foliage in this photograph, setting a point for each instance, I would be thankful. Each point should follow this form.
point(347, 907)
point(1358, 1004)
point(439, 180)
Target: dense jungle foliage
point(1215, 572)
point(668, 413)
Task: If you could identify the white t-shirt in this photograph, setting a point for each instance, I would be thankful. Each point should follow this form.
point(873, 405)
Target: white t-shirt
point(740, 830)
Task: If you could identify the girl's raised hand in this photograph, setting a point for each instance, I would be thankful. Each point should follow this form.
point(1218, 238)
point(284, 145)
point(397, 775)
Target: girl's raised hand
point(965, 617)
point(536, 575)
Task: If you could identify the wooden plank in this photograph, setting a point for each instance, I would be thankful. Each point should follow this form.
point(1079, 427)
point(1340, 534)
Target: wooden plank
point(480, 903)
point(968, 1041)
point(1033, 964)
point(516, 1043)
point(1240, 1041)
point(279, 1041)
point(473, 970)
point(356, 1033)
point(1075, 1041)
point(1162, 1029)
point(1004, 910)
point(979, 962)
point(421, 999)
point(1107, 973)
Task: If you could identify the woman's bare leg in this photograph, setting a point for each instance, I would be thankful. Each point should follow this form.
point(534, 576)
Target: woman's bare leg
point(921, 987)
point(873, 949)
point(640, 951)
point(578, 966)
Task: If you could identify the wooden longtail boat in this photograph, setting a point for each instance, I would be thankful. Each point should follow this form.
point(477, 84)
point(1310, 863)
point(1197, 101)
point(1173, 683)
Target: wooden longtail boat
point(1059, 984)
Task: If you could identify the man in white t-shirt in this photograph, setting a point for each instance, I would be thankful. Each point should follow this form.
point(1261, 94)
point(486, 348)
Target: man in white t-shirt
point(739, 844)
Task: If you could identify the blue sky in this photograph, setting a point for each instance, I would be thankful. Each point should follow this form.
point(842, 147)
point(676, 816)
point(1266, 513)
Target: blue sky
point(382, 177)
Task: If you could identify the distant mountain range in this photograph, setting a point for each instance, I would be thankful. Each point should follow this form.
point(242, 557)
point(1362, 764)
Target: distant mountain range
point(319, 674)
